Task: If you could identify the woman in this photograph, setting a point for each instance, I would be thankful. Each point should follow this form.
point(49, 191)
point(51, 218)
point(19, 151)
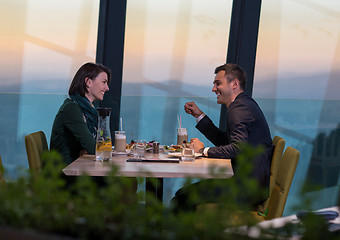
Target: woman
point(75, 125)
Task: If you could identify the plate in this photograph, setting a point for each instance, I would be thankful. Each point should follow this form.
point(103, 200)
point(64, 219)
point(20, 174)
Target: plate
point(175, 151)
point(120, 153)
point(179, 154)
point(149, 149)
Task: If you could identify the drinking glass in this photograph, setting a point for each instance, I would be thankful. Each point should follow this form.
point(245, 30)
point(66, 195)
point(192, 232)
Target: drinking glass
point(103, 140)
point(139, 149)
point(155, 147)
point(188, 153)
point(182, 135)
point(120, 141)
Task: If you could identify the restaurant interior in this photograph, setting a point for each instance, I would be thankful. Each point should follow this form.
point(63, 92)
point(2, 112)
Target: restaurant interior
point(162, 54)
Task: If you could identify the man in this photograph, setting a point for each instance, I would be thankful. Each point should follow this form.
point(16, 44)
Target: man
point(245, 124)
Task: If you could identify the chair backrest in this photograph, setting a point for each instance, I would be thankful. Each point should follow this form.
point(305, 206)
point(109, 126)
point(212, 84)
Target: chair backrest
point(276, 139)
point(279, 144)
point(283, 181)
point(36, 144)
point(276, 160)
point(2, 177)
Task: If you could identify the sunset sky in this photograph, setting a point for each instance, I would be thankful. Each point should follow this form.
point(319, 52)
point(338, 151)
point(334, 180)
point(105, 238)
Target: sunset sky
point(298, 49)
point(186, 40)
point(46, 41)
point(169, 41)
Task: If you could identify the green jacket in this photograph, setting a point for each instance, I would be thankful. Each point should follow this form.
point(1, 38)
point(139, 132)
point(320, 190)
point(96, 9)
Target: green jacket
point(70, 133)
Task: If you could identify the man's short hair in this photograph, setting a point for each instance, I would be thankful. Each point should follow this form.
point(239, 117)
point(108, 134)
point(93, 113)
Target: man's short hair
point(233, 71)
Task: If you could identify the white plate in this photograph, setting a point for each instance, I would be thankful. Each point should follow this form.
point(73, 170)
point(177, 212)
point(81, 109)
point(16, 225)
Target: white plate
point(178, 154)
point(149, 149)
point(121, 153)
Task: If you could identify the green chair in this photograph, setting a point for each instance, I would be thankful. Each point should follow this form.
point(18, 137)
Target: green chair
point(276, 139)
point(2, 178)
point(279, 144)
point(282, 182)
point(36, 144)
point(262, 209)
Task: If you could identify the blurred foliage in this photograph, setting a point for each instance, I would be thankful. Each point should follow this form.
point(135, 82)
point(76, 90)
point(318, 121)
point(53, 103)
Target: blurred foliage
point(108, 208)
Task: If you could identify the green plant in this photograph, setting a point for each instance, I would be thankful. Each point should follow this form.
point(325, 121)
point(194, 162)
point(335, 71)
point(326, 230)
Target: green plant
point(108, 208)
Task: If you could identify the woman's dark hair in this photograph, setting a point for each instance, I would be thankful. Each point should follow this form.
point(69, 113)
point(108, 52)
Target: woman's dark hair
point(88, 70)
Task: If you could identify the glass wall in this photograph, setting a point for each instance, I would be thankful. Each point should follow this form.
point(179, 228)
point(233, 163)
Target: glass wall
point(296, 82)
point(171, 51)
point(42, 45)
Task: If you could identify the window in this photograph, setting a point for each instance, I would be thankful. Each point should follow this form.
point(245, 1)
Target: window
point(171, 51)
point(297, 81)
point(43, 43)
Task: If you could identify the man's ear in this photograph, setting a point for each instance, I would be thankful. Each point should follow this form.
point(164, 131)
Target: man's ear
point(236, 83)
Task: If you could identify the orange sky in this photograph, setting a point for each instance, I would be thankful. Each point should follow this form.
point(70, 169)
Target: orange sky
point(67, 28)
point(164, 36)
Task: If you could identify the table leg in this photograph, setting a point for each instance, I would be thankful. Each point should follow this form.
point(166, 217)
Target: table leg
point(156, 189)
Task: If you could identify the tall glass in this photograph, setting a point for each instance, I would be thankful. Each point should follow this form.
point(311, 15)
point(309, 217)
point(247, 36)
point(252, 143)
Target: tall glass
point(120, 141)
point(103, 141)
point(182, 135)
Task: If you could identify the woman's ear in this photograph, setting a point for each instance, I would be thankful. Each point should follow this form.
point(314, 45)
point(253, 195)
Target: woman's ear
point(88, 82)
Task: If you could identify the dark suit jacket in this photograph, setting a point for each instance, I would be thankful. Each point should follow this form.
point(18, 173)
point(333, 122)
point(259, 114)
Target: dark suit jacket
point(245, 123)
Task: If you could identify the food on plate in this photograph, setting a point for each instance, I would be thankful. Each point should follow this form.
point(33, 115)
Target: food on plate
point(130, 145)
point(148, 145)
point(175, 148)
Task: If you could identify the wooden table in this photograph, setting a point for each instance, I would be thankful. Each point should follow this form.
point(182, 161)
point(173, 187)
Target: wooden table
point(200, 168)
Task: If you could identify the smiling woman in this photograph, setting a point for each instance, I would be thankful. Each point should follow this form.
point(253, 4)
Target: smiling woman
point(75, 125)
point(97, 87)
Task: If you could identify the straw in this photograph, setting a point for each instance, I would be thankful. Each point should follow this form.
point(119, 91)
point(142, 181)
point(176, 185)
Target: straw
point(179, 123)
point(121, 124)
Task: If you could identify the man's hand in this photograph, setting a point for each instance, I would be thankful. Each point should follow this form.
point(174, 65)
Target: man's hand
point(192, 109)
point(196, 144)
